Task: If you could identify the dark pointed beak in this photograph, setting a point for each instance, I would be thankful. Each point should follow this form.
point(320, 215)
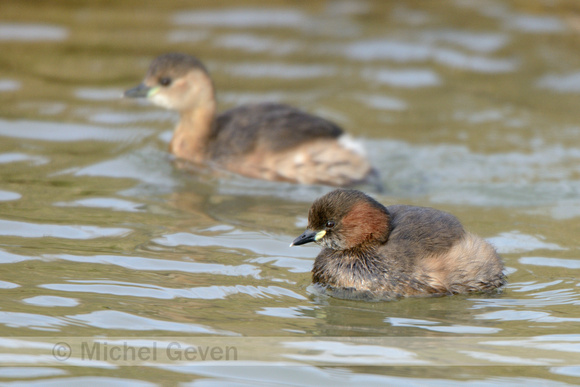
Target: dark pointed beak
point(306, 237)
point(139, 91)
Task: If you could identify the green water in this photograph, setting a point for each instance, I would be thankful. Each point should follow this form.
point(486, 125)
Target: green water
point(467, 106)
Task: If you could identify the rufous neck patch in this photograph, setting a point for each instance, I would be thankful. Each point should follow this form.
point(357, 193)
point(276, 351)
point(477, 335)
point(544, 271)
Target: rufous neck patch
point(364, 223)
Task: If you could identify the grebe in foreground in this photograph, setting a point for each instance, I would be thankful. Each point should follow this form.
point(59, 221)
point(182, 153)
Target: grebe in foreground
point(376, 252)
point(266, 141)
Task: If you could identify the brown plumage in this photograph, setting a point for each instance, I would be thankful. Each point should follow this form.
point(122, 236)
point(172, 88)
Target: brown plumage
point(377, 252)
point(266, 141)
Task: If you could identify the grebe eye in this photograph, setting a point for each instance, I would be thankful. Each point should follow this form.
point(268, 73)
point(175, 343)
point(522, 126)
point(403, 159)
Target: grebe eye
point(330, 224)
point(165, 81)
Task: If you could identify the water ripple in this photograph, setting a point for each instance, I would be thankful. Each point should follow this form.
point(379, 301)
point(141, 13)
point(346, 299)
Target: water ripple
point(291, 312)
point(539, 300)
point(480, 64)
point(532, 286)
point(256, 242)
point(13, 157)
point(558, 342)
point(86, 381)
point(93, 94)
point(32, 32)
point(516, 242)
point(152, 291)
point(275, 373)
point(242, 17)
point(382, 102)
point(32, 230)
point(535, 24)
point(481, 42)
point(109, 203)
point(551, 262)
point(408, 78)
point(281, 70)
point(568, 83)
point(455, 174)
point(435, 327)
point(9, 85)
point(186, 36)
point(400, 51)
point(509, 360)
point(63, 132)
point(293, 265)
point(142, 166)
point(7, 196)
point(8, 285)
point(116, 118)
point(150, 264)
point(31, 321)
point(51, 301)
point(254, 43)
point(6, 257)
point(331, 352)
point(566, 371)
point(30, 372)
point(111, 319)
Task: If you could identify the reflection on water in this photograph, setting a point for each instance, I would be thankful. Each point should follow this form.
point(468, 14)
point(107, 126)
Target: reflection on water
point(411, 52)
point(62, 132)
point(31, 32)
point(468, 106)
point(29, 230)
point(280, 71)
point(9, 85)
point(435, 327)
point(411, 78)
point(253, 43)
point(568, 83)
point(243, 18)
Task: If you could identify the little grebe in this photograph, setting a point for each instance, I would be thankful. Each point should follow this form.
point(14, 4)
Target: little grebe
point(266, 141)
point(378, 252)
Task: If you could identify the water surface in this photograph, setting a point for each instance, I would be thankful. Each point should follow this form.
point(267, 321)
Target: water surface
point(467, 106)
